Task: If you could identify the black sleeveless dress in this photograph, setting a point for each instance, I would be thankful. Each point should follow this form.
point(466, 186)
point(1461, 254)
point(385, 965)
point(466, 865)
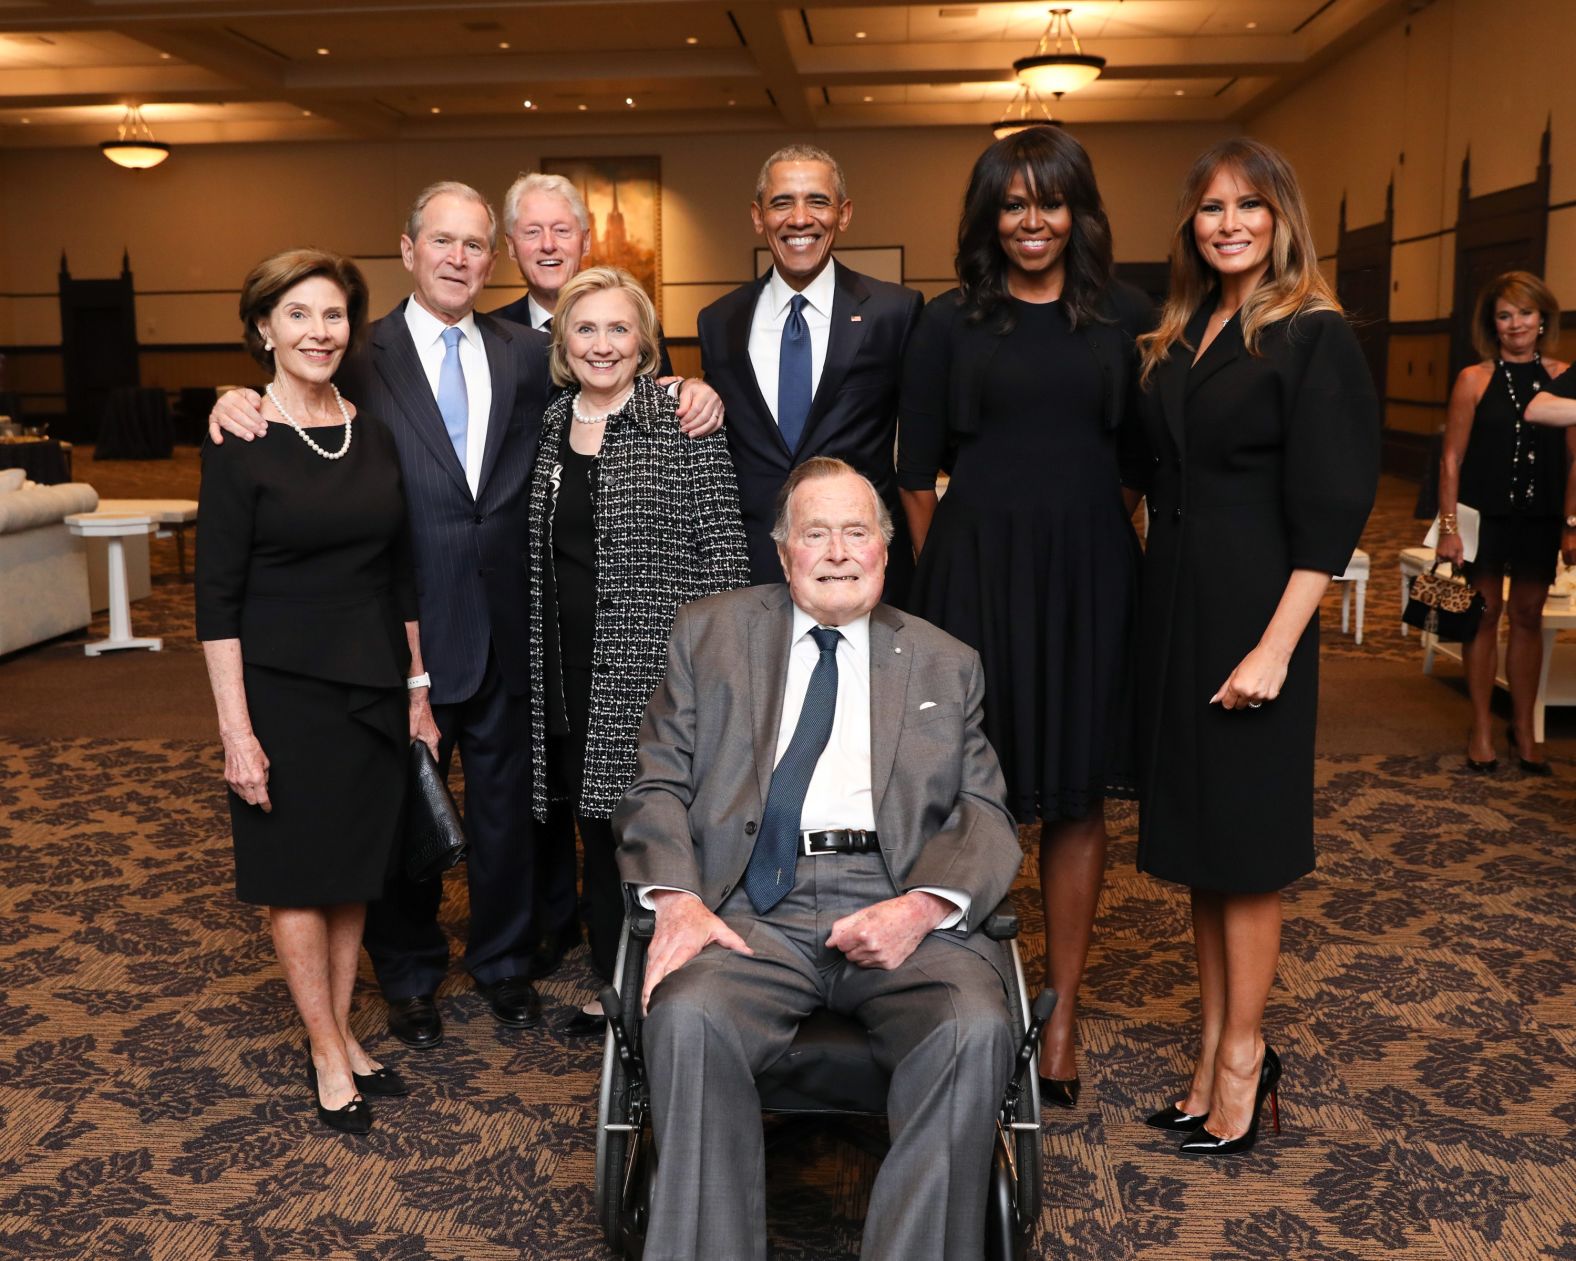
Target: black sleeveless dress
point(1032, 561)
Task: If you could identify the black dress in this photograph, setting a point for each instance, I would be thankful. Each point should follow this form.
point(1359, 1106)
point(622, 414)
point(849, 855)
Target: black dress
point(307, 562)
point(1031, 559)
point(1263, 464)
point(1514, 474)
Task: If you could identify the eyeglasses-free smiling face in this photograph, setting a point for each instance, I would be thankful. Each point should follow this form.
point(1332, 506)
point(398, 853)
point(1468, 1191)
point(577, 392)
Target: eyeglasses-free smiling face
point(1033, 229)
point(1517, 328)
point(834, 556)
point(450, 260)
point(800, 217)
point(1234, 227)
point(309, 328)
point(548, 244)
point(602, 342)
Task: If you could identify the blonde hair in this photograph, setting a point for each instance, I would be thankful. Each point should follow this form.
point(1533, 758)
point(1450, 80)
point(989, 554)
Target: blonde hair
point(1291, 286)
point(596, 280)
point(1523, 289)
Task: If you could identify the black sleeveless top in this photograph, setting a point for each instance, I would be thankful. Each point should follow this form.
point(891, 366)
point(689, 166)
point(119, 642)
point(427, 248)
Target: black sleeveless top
point(1513, 468)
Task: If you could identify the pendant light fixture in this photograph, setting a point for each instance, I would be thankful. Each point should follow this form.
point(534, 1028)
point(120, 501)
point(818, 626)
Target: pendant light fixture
point(134, 147)
point(1053, 73)
point(1011, 124)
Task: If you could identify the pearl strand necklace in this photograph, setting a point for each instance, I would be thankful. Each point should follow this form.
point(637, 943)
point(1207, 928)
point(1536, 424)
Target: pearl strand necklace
point(273, 397)
point(581, 418)
point(1515, 457)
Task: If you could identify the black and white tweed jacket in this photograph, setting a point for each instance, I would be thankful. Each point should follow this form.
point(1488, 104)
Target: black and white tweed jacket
point(668, 531)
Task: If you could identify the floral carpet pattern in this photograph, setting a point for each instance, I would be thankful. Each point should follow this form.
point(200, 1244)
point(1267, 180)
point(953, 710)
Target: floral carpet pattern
point(153, 1105)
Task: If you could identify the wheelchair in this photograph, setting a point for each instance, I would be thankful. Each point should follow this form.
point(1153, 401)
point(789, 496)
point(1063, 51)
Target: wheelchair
point(827, 1072)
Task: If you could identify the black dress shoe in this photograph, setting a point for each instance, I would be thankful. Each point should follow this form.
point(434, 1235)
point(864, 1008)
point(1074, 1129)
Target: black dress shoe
point(1061, 1092)
point(1174, 1119)
point(354, 1118)
point(584, 1024)
point(415, 1021)
point(383, 1081)
point(514, 1001)
point(549, 953)
point(1203, 1143)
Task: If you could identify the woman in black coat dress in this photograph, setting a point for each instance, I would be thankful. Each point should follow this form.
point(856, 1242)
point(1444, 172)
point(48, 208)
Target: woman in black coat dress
point(1028, 370)
point(306, 609)
point(1264, 428)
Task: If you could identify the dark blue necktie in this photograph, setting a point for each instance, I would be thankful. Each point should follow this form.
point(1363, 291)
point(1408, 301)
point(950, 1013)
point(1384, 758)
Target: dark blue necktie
point(793, 374)
point(771, 871)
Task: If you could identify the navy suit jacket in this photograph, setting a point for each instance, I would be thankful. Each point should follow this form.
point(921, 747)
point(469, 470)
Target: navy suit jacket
point(853, 415)
point(470, 550)
point(519, 312)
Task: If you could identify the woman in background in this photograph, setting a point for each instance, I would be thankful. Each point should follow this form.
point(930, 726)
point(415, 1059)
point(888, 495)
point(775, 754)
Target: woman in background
point(1519, 478)
point(306, 609)
point(1263, 420)
point(629, 519)
point(1028, 368)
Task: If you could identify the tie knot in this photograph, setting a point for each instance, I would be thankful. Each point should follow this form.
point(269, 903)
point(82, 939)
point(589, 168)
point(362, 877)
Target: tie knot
point(825, 638)
point(451, 336)
point(797, 304)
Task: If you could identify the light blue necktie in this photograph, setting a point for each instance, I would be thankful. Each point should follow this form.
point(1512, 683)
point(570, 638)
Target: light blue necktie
point(770, 873)
point(453, 402)
point(793, 374)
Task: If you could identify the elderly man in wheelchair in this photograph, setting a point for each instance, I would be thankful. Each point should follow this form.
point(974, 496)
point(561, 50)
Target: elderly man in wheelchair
point(815, 847)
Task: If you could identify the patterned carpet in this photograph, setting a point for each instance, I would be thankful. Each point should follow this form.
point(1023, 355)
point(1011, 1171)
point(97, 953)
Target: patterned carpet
point(152, 1104)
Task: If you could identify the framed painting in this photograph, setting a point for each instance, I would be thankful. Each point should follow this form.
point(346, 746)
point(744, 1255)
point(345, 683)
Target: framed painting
point(624, 198)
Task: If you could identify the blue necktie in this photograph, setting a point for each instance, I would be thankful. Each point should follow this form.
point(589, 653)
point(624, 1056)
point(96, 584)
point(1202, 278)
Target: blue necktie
point(770, 873)
point(793, 374)
point(453, 402)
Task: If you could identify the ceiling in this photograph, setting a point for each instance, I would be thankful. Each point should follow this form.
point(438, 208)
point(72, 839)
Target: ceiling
point(210, 71)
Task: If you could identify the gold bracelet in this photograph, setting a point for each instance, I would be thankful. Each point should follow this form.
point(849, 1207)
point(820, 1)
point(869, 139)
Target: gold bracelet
point(1447, 524)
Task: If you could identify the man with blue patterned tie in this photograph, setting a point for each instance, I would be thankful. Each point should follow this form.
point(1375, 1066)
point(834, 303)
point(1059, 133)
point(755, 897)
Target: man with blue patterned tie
point(818, 820)
point(808, 359)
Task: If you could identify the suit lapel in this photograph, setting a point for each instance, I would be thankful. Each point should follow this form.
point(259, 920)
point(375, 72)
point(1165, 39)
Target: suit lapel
point(737, 335)
point(890, 659)
point(500, 366)
point(402, 372)
point(842, 344)
point(1176, 372)
point(1227, 347)
point(769, 634)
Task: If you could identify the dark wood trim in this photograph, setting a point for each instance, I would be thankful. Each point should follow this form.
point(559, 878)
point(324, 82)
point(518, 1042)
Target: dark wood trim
point(1419, 328)
point(1424, 236)
point(1437, 404)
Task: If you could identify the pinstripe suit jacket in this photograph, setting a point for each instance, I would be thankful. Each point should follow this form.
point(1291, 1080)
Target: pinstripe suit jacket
point(470, 550)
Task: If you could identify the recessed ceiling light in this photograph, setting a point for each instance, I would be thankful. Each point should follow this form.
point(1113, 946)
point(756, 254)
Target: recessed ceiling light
point(322, 52)
point(527, 104)
point(26, 121)
point(1180, 92)
point(503, 43)
point(164, 56)
point(859, 34)
point(436, 110)
point(306, 113)
point(1253, 26)
point(868, 99)
point(692, 39)
point(582, 107)
point(629, 101)
point(732, 102)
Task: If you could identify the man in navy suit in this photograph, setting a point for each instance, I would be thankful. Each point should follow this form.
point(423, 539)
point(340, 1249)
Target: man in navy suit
point(808, 359)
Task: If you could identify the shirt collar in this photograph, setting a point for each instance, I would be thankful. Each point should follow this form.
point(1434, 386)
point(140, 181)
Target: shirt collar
point(539, 314)
point(426, 328)
point(818, 293)
point(856, 632)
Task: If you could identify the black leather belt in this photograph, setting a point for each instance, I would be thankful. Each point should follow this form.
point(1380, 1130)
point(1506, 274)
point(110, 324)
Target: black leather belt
point(840, 841)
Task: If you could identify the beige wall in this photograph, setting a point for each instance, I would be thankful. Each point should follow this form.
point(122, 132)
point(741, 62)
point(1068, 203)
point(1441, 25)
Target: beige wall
point(195, 225)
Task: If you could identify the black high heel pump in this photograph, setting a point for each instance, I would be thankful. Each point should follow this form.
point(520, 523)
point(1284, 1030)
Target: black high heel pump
point(1175, 1120)
point(1203, 1143)
point(1528, 766)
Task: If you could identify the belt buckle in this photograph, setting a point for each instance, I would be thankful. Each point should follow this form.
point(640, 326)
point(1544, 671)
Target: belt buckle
point(807, 846)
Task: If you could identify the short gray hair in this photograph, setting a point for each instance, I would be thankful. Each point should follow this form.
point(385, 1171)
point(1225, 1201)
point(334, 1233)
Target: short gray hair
point(816, 469)
point(450, 188)
point(527, 183)
point(801, 153)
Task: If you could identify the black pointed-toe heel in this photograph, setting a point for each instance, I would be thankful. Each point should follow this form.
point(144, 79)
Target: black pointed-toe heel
point(1175, 1120)
point(1060, 1092)
point(1203, 1143)
point(1528, 767)
point(384, 1082)
point(354, 1118)
point(1487, 766)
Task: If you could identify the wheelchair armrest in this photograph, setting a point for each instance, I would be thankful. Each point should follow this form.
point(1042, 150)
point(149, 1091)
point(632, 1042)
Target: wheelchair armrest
point(1002, 923)
point(642, 923)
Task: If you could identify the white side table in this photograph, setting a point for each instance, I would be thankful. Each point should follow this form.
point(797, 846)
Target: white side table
point(113, 527)
point(172, 516)
point(1356, 575)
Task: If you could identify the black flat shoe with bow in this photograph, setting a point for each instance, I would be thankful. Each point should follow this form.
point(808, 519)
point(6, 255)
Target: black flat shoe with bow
point(354, 1118)
point(381, 1081)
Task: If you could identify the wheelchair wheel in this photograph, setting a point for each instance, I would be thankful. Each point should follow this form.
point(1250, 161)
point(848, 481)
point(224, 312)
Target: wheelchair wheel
point(611, 1146)
point(1025, 1170)
point(1001, 1227)
point(623, 1155)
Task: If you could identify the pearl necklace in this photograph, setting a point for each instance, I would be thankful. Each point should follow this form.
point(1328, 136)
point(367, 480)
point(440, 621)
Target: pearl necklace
point(1515, 456)
point(581, 418)
point(1511, 385)
point(273, 397)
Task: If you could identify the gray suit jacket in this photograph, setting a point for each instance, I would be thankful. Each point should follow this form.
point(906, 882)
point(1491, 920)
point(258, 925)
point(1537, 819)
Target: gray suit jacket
point(709, 741)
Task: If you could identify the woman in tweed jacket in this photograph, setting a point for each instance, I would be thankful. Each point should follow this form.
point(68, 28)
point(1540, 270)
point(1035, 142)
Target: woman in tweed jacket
point(629, 519)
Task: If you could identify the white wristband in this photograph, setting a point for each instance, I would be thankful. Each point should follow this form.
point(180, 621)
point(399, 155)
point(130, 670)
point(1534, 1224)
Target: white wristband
point(418, 680)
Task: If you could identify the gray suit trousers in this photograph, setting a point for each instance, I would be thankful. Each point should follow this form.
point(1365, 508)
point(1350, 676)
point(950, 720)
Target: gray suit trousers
point(939, 1025)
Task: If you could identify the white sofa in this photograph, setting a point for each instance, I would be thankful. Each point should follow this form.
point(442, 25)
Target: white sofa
point(43, 569)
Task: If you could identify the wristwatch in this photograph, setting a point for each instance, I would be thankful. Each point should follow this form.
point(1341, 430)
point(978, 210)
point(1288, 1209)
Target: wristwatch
point(418, 680)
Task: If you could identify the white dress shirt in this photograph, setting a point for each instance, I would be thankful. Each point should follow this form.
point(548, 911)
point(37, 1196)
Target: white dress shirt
point(538, 315)
point(426, 330)
point(766, 330)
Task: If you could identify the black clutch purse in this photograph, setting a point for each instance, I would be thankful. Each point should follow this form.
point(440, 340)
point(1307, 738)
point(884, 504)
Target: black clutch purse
point(1443, 606)
point(434, 839)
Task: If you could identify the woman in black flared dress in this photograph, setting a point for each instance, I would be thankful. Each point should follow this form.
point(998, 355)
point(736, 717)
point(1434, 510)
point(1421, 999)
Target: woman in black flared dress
point(1028, 370)
point(1520, 478)
point(306, 607)
point(1264, 425)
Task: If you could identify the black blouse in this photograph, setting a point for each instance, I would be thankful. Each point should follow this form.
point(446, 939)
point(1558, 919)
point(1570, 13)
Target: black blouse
point(307, 561)
point(1511, 466)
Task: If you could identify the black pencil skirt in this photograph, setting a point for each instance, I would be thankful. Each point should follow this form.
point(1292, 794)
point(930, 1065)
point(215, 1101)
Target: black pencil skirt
point(337, 771)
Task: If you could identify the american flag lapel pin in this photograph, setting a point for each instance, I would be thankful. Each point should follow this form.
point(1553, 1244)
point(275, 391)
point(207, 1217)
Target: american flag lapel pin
point(855, 319)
